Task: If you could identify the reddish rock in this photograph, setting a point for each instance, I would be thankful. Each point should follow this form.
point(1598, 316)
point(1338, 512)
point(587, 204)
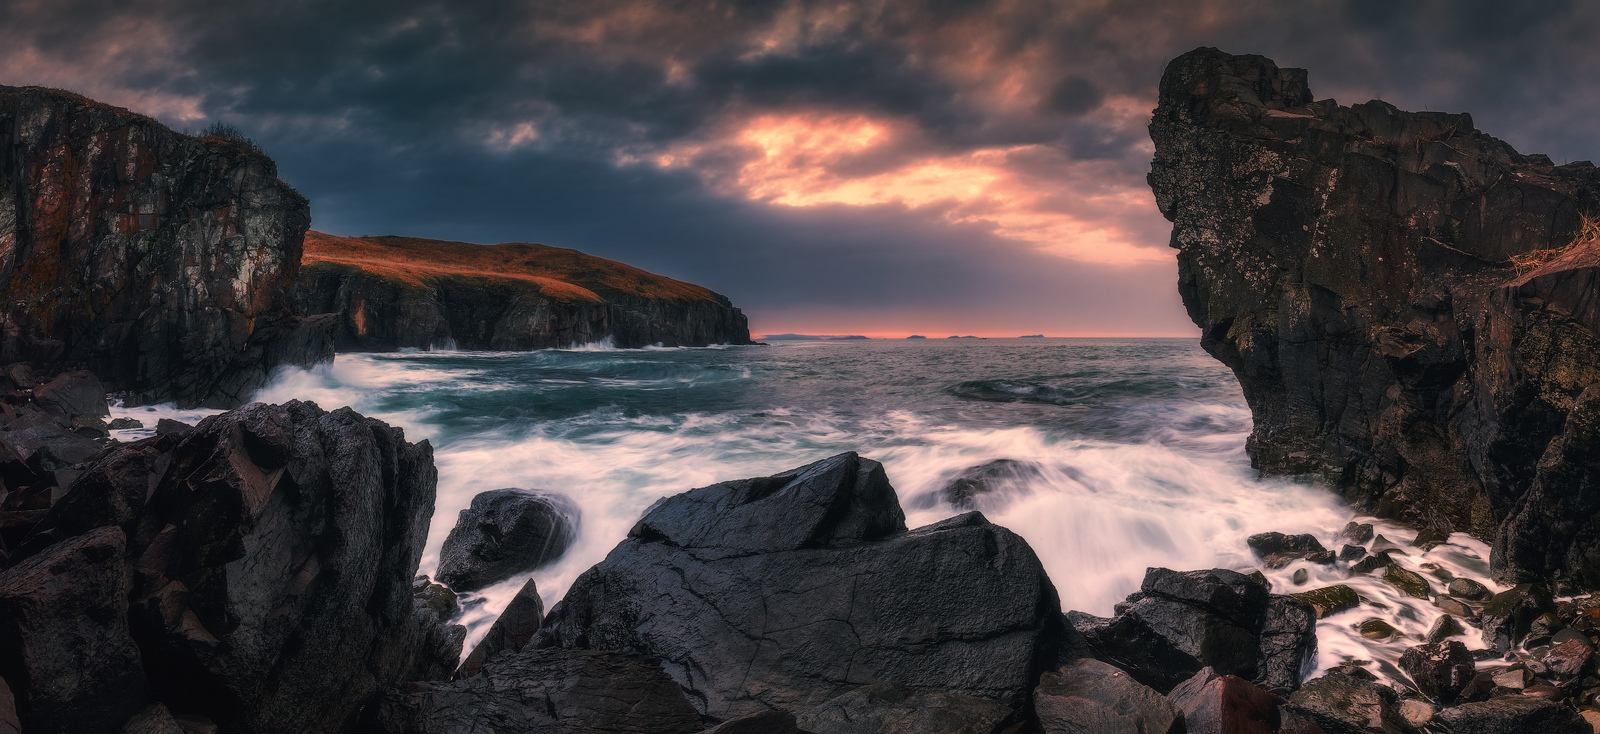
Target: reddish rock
point(1226, 704)
point(1569, 658)
point(1441, 670)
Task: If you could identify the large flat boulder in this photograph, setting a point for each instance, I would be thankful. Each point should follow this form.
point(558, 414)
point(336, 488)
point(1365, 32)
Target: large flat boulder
point(787, 591)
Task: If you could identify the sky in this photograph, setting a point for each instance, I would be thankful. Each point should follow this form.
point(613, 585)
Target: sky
point(880, 168)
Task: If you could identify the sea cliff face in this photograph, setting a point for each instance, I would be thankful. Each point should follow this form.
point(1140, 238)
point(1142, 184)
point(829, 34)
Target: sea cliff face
point(395, 292)
point(155, 259)
point(1408, 303)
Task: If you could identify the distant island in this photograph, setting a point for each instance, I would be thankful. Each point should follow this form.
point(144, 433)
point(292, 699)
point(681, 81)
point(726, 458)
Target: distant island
point(1031, 336)
point(969, 336)
point(916, 336)
point(814, 337)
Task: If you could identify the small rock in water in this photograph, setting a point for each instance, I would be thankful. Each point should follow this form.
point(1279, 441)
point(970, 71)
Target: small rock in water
point(1543, 628)
point(1569, 659)
point(1468, 589)
point(1430, 538)
point(119, 424)
point(1441, 670)
point(1416, 713)
point(962, 491)
point(1445, 627)
point(1370, 563)
point(1516, 678)
point(1330, 600)
point(1407, 582)
point(1381, 544)
point(1278, 550)
point(1439, 572)
point(1300, 577)
point(170, 427)
point(1376, 629)
point(1356, 532)
point(1351, 553)
point(1452, 605)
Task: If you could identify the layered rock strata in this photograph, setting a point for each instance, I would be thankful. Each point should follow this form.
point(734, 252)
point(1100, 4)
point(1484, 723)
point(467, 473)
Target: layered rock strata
point(155, 259)
point(389, 293)
point(1408, 304)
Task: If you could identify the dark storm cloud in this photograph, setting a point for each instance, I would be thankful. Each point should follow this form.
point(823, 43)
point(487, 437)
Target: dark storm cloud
point(722, 142)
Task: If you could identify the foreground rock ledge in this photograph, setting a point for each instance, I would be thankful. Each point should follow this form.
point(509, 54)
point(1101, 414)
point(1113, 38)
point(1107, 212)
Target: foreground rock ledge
point(1401, 299)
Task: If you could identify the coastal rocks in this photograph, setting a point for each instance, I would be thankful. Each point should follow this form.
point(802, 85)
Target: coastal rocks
point(970, 485)
point(269, 562)
point(510, 631)
point(1179, 623)
point(1089, 695)
point(154, 259)
point(1225, 704)
point(1405, 301)
point(388, 293)
point(572, 691)
point(1406, 582)
point(79, 398)
point(1513, 715)
point(886, 708)
point(1349, 704)
point(788, 591)
point(1441, 670)
point(1330, 600)
point(1278, 550)
point(1511, 614)
point(506, 532)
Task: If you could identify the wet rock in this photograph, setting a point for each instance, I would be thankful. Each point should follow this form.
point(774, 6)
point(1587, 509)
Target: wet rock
point(153, 719)
point(1407, 582)
point(1443, 628)
point(271, 555)
point(815, 559)
point(9, 724)
point(1468, 589)
point(169, 427)
point(577, 691)
point(1330, 600)
point(1352, 553)
point(1381, 544)
point(1278, 550)
point(1544, 691)
point(885, 708)
point(1510, 614)
point(1543, 628)
point(1416, 713)
point(1183, 622)
point(765, 722)
point(1225, 704)
point(1358, 533)
point(1429, 538)
point(1441, 670)
point(1088, 691)
point(1376, 629)
point(200, 211)
point(73, 394)
point(1300, 577)
point(1371, 563)
point(1572, 634)
point(1513, 678)
point(1569, 659)
point(506, 532)
point(438, 598)
point(1512, 715)
point(64, 630)
point(511, 631)
point(1452, 605)
point(122, 424)
point(1342, 704)
point(965, 489)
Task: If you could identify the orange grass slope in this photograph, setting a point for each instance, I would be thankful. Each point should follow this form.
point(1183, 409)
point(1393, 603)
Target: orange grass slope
point(561, 274)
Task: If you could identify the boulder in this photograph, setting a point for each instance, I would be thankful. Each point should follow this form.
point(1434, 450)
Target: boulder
point(170, 427)
point(1179, 623)
point(1406, 582)
point(1371, 563)
point(885, 708)
point(271, 553)
point(765, 722)
point(1225, 704)
point(73, 395)
point(506, 532)
point(1278, 550)
point(787, 591)
point(510, 631)
point(153, 719)
point(569, 691)
point(1088, 693)
point(64, 630)
point(1462, 588)
point(1346, 704)
point(1444, 627)
point(1512, 715)
point(1568, 659)
point(1441, 670)
point(1352, 553)
point(969, 486)
point(1509, 616)
point(1330, 600)
point(1355, 532)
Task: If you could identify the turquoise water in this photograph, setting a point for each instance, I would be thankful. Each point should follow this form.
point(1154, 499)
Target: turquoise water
point(1135, 447)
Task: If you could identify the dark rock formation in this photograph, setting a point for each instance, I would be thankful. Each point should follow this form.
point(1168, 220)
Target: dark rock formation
point(969, 486)
point(787, 591)
point(886, 708)
point(1089, 695)
point(1348, 704)
point(1441, 670)
point(506, 532)
point(1179, 623)
point(155, 259)
point(1225, 704)
point(511, 630)
point(766, 722)
point(1278, 550)
point(569, 691)
point(393, 292)
point(262, 565)
point(1510, 615)
point(1396, 293)
point(1513, 715)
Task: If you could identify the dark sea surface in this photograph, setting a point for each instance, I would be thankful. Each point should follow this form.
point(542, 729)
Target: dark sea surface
point(1129, 452)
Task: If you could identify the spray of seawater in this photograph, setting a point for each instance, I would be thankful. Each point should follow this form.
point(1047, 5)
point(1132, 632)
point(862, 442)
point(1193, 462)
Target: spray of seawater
point(1133, 451)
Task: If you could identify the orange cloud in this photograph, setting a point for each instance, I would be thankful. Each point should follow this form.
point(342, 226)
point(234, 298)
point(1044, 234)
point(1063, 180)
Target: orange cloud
point(808, 159)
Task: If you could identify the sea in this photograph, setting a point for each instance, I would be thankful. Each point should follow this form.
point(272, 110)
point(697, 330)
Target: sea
point(1129, 453)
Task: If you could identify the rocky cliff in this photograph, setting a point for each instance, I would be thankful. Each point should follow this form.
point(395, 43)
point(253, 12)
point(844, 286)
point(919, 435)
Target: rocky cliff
point(153, 258)
point(393, 292)
point(1408, 303)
